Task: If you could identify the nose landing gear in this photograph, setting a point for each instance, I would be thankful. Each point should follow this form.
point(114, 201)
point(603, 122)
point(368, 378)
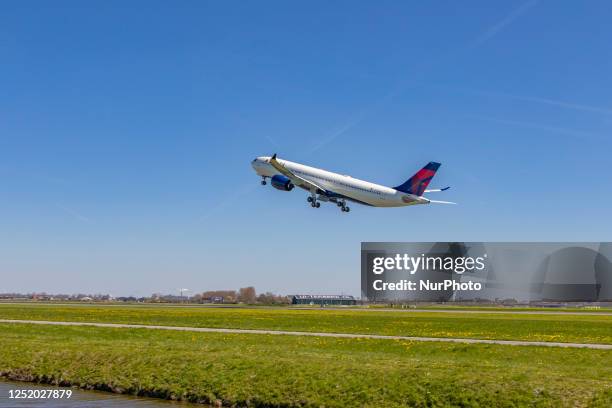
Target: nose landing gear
point(263, 180)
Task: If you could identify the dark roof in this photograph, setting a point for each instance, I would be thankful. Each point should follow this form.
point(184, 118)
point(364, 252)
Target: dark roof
point(326, 297)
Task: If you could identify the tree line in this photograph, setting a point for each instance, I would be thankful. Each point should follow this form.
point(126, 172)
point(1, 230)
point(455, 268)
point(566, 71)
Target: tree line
point(243, 295)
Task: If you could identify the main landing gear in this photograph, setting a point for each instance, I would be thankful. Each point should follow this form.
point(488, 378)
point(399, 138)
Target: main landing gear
point(313, 202)
point(343, 206)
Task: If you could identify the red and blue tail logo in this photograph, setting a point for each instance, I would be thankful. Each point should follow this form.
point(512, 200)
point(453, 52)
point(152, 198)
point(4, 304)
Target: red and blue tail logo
point(417, 184)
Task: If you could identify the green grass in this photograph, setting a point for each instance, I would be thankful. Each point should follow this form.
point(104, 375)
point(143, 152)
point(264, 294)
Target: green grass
point(507, 326)
point(283, 371)
point(374, 306)
point(574, 309)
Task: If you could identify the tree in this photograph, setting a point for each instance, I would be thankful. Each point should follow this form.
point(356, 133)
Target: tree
point(247, 295)
point(270, 298)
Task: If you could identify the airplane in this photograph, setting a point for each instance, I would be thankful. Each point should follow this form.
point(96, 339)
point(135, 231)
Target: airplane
point(325, 186)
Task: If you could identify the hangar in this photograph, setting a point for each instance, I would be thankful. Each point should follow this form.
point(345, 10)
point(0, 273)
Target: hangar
point(323, 300)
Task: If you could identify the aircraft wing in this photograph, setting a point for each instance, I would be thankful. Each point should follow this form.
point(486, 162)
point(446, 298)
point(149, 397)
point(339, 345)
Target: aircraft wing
point(295, 179)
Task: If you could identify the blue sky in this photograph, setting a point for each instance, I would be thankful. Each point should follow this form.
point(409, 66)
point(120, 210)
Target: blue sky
point(127, 130)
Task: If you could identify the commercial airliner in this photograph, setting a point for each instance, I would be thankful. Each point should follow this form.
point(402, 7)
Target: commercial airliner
point(336, 188)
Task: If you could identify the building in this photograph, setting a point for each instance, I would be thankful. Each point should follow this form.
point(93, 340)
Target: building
point(323, 300)
point(213, 299)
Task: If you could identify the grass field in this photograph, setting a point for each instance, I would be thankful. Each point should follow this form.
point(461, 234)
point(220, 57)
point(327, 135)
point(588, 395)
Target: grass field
point(283, 371)
point(278, 371)
point(582, 309)
point(507, 326)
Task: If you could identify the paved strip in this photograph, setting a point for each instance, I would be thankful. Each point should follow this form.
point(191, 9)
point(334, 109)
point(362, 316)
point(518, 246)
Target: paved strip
point(317, 334)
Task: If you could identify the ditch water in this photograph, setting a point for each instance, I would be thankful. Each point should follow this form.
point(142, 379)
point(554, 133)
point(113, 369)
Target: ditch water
point(78, 398)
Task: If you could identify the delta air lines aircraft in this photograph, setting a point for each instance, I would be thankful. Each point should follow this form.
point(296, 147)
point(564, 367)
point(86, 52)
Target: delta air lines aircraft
point(336, 188)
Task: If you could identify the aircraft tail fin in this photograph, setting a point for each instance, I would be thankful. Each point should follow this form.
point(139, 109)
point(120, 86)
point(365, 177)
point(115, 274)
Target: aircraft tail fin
point(418, 183)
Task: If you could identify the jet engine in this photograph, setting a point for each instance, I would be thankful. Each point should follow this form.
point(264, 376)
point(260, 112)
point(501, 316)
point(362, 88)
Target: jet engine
point(282, 183)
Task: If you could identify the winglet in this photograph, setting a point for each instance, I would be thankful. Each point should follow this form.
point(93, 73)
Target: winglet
point(445, 188)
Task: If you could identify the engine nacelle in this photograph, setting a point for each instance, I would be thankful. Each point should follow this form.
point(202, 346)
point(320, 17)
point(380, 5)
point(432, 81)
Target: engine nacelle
point(282, 183)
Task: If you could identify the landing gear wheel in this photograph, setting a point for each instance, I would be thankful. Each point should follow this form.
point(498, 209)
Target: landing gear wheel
point(317, 204)
point(309, 199)
point(347, 209)
point(263, 182)
point(313, 205)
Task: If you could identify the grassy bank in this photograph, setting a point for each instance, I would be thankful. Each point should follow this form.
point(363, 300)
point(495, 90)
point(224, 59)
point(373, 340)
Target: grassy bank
point(541, 327)
point(260, 370)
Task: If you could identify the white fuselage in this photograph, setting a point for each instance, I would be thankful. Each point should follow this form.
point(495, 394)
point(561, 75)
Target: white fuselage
point(346, 186)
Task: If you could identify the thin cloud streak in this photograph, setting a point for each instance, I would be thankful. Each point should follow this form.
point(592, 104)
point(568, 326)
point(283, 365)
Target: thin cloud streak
point(76, 215)
point(567, 105)
point(230, 198)
point(400, 87)
point(272, 142)
point(339, 132)
point(561, 104)
point(534, 99)
point(565, 131)
point(502, 24)
point(357, 119)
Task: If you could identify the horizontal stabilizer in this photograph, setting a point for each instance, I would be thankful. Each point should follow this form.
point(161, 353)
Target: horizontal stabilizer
point(437, 190)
